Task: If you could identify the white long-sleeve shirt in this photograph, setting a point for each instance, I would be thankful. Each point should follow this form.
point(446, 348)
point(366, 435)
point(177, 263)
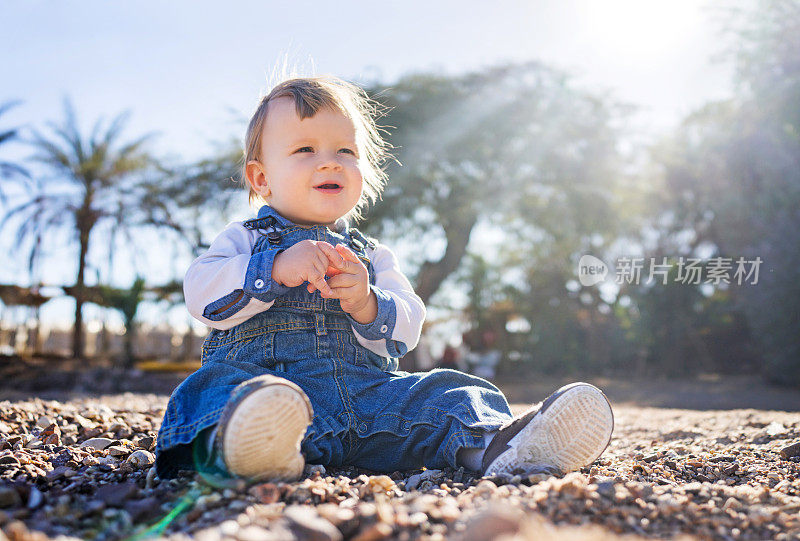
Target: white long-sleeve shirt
point(220, 275)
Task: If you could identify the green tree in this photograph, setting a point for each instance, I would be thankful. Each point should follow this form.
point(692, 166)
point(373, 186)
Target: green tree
point(732, 182)
point(94, 180)
point(520, 154)
point(127, 301)
point(511, 147)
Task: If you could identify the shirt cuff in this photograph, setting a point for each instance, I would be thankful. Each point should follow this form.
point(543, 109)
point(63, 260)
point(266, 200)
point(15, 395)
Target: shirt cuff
point(258, 282)
point(382, 327)
point(255, 286)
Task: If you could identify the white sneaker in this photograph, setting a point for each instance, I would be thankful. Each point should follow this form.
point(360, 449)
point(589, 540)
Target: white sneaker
point(570, 429)
point(261, 428)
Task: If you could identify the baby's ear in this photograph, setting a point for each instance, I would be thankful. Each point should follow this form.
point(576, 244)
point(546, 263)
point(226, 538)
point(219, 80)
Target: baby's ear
point(256, 178)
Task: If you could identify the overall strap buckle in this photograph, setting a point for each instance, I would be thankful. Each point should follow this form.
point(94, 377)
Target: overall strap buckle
point(358, 240)
point(268, 222)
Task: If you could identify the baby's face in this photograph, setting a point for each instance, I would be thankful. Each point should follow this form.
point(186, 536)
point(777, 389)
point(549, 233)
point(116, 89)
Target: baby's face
point(310, 166)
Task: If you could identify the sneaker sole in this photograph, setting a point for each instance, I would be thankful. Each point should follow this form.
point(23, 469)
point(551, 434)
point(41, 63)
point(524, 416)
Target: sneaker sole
point(571, 429)
point(264, 426)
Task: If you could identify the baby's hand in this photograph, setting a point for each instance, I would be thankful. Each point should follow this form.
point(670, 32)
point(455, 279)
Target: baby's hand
point(351, 285)
point(306, 261)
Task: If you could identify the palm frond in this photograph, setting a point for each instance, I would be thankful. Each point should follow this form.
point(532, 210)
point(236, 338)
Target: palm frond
point(8, 170)
point(8, 105)
point(116, 127)
point(95, 132)
point(8, 135)
point(19, 209)
point(51, 154)
point(70, 130)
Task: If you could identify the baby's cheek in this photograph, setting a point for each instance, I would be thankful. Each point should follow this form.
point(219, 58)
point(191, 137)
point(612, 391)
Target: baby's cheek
point(356, 171)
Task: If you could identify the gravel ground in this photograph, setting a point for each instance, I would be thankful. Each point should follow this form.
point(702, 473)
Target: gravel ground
point(82, 468)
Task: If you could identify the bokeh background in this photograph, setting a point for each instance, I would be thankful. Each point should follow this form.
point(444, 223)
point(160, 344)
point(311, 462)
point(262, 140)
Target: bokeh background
point(527, 135)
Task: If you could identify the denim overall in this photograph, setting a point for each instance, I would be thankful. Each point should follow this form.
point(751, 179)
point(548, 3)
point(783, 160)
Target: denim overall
point(366, 413)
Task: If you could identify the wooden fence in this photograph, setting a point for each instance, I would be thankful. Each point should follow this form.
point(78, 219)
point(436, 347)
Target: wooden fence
point(158, 343)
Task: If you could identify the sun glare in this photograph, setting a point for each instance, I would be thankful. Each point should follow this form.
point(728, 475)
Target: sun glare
point(641, 29)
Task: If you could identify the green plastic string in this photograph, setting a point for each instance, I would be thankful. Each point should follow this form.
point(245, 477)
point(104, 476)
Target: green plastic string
point(219, 482)
point(158, 528)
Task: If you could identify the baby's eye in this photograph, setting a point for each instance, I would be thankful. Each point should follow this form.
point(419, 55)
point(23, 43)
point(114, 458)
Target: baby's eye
point(305, 149)
point(347, 150)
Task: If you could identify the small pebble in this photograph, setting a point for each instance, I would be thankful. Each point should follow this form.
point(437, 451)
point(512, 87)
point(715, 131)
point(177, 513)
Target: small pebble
point(151, 478)
point(790, 451)
point(35, 498)
point(97, 443)
point(141, 459)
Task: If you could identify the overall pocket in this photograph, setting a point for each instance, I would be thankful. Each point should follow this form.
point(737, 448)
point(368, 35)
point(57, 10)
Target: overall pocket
point(353, 351)
point(212, 344)
point(250, 349)
point(365, 357)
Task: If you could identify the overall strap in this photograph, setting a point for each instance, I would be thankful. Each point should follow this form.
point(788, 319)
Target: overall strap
point(359, 242)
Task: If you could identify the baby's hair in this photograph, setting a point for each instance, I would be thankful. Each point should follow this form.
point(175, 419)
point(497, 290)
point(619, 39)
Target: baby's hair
point(311, 94)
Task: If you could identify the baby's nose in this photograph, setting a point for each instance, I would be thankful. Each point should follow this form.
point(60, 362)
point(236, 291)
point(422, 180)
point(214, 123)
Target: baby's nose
point(329, 162)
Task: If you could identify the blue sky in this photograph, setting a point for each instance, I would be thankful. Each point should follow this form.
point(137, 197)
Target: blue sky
point(181, 65)
point(191, 71)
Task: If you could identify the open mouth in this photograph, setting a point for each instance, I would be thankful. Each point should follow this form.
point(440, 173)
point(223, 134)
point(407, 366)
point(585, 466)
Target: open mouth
point(329, 187)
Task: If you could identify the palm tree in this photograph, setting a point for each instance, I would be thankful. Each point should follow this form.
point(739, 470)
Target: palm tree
point(96, 180)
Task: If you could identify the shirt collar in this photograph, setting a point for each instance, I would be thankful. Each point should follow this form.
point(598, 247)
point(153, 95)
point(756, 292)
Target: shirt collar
point(340, 226)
